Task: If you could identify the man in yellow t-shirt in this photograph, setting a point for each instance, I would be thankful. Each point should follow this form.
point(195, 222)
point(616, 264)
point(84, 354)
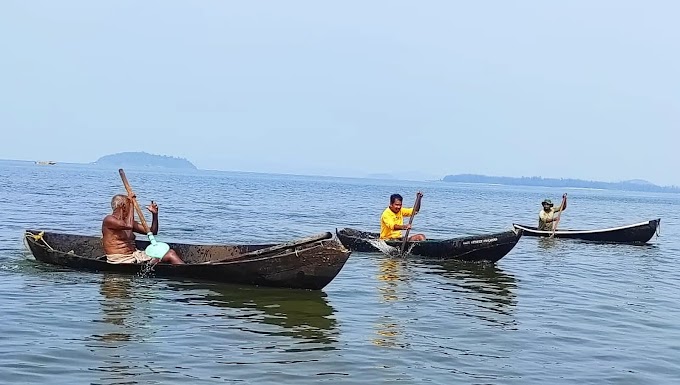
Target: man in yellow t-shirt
point(546, 217)
point(392, 219)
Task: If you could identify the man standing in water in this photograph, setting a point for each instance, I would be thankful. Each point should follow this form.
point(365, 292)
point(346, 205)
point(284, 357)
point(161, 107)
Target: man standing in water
point(546, 217)
point(118, 231)
point(392, 219)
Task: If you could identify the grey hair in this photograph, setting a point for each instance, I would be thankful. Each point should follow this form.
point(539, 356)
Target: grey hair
point(118, 201)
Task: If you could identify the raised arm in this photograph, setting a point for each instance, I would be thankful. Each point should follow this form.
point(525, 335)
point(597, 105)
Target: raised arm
point(153, 208)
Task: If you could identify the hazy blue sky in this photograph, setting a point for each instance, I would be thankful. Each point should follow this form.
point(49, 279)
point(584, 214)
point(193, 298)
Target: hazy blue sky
point(582, 89)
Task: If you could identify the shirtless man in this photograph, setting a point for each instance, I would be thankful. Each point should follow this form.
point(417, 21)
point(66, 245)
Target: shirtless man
point(118, 231)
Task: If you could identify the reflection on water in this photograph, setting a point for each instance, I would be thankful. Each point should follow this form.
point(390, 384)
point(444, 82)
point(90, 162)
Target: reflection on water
point(121, 320)
point(391, 276)
point(485, 290)
point(301, 314)
point(482, 291)
point(545, 243)
point(116, 304)
point(488, 280)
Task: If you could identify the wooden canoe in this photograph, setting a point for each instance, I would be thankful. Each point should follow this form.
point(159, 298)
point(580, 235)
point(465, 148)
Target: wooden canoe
point(486, 247)
point(311, 263)
point(638, 233)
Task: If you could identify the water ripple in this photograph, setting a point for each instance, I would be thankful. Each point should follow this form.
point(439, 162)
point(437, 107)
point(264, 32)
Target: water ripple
point(550, 312)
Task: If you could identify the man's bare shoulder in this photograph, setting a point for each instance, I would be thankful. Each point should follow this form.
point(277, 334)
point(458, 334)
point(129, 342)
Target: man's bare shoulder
point(109, 220)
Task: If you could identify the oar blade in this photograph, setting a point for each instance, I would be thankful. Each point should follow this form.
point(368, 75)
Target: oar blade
point(157, 250)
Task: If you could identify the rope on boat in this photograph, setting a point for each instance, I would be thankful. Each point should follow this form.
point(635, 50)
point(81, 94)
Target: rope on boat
point(39, 237)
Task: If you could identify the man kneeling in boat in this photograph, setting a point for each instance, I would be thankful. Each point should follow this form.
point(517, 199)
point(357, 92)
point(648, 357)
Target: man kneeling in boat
point(392, 219)
point(546, 217)
point(118, 231)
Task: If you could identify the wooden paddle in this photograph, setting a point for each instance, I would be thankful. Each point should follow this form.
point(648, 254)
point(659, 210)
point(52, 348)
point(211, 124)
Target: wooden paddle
point(410, 221)
point(155, 249)
point(559, 213)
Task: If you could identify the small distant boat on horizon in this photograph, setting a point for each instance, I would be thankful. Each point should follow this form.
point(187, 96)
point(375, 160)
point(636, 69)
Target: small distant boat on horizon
point(46, 162)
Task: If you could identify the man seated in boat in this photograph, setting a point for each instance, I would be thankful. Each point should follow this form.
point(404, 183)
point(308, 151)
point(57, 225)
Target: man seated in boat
point(118, 231)
point(546, 217)
point(392, 219)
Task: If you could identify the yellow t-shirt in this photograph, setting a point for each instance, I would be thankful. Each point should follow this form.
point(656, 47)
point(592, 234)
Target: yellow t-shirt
point(388, 219)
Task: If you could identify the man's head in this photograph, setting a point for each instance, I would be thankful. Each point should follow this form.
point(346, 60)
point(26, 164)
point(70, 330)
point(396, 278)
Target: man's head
point(395, 202)
point(118, 201)
point(547, 204)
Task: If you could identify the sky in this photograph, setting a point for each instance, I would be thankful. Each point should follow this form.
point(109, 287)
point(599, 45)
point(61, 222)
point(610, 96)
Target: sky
point(578, 89)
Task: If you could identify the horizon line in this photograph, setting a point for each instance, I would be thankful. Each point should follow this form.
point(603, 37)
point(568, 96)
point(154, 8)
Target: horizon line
point(367, 176)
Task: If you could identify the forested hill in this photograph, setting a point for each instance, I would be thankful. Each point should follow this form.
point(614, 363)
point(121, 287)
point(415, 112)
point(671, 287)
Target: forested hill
point(143, 159)
point(630, 185)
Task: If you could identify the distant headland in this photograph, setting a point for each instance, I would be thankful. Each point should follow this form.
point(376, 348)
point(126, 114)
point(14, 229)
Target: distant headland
point(144, 160)
point(629, 185)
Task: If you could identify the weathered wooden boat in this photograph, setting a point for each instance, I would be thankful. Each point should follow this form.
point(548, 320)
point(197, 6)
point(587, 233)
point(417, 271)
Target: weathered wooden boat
point(638, 233)
point(487, 247)
point(309, 263)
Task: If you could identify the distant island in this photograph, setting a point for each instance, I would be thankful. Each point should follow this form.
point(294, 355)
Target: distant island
point(629, 185)
point(144, 160)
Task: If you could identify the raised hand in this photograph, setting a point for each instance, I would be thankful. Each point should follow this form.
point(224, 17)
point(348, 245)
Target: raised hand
point(153, 207)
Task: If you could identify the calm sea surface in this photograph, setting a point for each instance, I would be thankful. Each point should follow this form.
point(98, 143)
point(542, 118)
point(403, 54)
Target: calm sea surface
point(559, 312)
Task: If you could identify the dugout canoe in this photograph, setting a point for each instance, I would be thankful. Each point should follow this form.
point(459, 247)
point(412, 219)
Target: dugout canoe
point(637, 233)
point(485, 247)
point(309, 263)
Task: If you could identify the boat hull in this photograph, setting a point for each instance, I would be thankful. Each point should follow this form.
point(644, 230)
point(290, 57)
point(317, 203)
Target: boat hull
point(638, 233)
point(308, 266)
point(487, 247)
